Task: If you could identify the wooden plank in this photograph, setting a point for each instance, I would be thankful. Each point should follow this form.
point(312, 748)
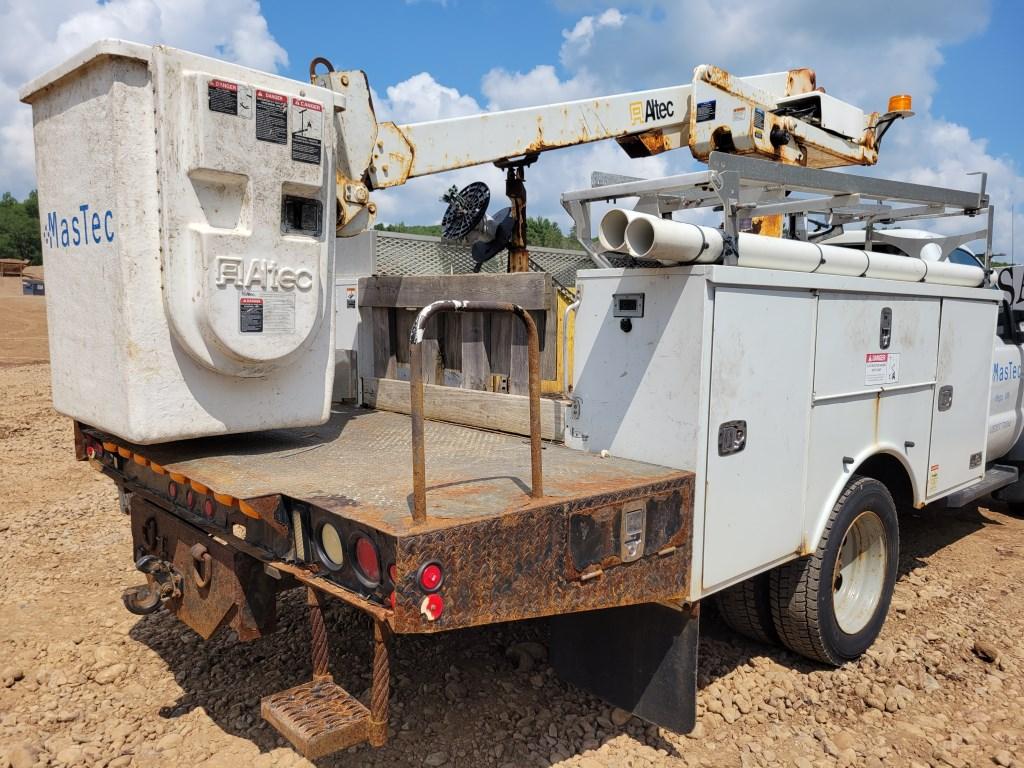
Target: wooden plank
point(476, 368)
point(499, 347)
point(383, 355)
point(487, 410)
point(451, 341)
point(432, 371)
point(547, 329)
point(403, 325)
point(519, 362)
point(530, 290)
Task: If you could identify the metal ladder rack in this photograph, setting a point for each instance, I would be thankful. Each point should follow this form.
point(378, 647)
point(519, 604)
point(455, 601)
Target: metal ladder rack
point(742, 188)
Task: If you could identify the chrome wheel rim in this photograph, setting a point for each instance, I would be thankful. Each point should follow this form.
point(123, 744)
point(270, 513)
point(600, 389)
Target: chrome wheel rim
point(859, 574)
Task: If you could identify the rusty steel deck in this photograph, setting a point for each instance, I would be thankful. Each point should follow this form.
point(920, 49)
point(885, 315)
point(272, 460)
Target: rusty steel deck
point(359, 465)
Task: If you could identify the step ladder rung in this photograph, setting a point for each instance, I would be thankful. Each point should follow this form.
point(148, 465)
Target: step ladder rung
point(318, 717)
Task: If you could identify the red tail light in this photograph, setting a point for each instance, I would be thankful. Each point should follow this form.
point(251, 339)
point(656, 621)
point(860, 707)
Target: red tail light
point(367, 560)
point(430, 577)
point(172, 489)
point(208, 508)
point(432, 607)
point(190, 498)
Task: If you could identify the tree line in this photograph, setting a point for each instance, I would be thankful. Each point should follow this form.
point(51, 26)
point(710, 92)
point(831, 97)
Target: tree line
point(19, 228)
point(541, 232)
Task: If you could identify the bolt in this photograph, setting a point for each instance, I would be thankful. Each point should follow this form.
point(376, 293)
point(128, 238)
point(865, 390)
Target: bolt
point(344, 79)
point(372, 208)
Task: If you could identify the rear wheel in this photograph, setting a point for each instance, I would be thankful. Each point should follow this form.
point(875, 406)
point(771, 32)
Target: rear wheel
point(745, 608)
point(831, 606)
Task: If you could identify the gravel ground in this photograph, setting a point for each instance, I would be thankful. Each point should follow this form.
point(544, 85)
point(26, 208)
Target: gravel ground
point(83, 682)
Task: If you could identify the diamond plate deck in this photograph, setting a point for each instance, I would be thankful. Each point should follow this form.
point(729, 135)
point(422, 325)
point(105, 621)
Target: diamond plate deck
point(359, 463)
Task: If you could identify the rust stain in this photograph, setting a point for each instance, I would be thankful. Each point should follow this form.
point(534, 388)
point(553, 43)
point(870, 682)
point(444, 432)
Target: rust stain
point(801, 80)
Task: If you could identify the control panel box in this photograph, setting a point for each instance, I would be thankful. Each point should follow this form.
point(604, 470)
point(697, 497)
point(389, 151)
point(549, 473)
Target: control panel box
point(187, 208)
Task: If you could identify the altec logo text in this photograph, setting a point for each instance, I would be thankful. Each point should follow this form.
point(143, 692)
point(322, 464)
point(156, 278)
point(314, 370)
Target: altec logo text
point(87, 227)
point(652, 109)
point(267, 274)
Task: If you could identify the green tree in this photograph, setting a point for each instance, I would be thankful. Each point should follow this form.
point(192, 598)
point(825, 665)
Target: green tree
point(19, 228)
point(539, 231)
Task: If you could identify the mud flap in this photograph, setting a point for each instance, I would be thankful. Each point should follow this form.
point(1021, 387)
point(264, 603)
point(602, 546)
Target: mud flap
point(640, 658)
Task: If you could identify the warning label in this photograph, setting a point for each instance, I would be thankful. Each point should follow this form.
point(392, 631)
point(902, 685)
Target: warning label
point(229, 98)
point(223, 97)
point(307, 121)
point(706, 111)
point(271, 117)
point(881, 368)
point(250, 315)
point(268, 313)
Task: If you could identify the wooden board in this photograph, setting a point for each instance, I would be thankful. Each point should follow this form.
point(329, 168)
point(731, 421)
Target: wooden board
point(488, 410)
point(530, 290)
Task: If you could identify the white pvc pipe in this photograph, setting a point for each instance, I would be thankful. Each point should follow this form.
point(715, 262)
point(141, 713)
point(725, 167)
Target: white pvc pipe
point(673, 242)
point(776, 253)
point(678, 242)
point(848, 262)
point(947, 273)
point(888, 266)
point(611, 232)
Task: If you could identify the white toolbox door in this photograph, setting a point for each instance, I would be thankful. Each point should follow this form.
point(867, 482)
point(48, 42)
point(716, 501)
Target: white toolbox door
point(962, 382)
point(762, 369)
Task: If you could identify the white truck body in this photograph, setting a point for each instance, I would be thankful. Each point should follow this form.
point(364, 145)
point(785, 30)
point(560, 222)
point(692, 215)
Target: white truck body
point(797, 358)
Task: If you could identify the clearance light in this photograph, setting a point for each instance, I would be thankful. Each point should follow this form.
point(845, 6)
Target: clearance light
point(367, 561)
point(432, 607)
point(901, 102)
point(94, 451)
point(330, 549)
point(430, 577)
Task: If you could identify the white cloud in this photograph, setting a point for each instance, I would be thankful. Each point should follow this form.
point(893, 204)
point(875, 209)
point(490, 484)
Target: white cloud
point(35, 37)
point(581, 35)
point(422, 98)
point(541, 85)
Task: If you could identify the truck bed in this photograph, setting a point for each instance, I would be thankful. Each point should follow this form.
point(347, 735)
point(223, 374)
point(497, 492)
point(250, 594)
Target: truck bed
point(359, 464)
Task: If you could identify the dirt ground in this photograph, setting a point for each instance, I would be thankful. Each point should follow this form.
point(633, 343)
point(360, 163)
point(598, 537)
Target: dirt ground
point(83, 682)
point(22, 328)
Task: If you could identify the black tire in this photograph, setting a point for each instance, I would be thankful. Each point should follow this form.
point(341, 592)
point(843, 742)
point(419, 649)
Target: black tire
point(745, 608)
point(802, 592)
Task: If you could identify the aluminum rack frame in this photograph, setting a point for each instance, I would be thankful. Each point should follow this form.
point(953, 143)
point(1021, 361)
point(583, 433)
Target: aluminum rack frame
point(743, 187)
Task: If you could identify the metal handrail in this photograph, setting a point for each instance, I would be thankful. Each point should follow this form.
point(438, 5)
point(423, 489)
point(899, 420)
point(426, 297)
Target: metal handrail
point(419, 471)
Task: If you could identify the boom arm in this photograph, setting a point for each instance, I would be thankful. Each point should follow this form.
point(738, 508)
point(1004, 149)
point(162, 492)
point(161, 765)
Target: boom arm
point(780, 115)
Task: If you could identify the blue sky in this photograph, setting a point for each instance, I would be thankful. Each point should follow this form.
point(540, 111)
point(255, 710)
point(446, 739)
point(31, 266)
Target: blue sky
point(458, 41)
point(429, 59)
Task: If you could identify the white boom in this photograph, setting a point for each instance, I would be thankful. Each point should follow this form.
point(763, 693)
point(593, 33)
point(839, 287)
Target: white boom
point(781, 116)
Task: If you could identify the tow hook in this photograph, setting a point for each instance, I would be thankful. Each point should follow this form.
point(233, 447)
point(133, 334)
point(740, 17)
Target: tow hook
point(163, 583)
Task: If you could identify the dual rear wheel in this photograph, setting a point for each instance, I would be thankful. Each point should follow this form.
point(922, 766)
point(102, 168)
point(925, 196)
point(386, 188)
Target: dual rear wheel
point(830, 606)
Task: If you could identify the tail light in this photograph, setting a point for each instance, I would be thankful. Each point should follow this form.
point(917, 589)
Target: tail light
point(190, 499)
point(367, 561)
point(172, 489)
point(329, 547)
point(208, 509)
point(432, 607)
point(94, 450)
point(430, 577)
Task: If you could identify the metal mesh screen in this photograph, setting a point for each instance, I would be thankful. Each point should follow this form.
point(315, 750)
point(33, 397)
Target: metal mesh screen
point(401, 254)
